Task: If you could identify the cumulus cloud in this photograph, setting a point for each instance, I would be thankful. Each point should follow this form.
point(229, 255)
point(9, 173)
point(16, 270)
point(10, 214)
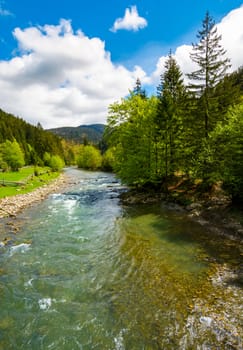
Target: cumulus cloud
point(61, 77)
point(231, 30)
point(182, 56)
point(130, 21)
point(64, 78)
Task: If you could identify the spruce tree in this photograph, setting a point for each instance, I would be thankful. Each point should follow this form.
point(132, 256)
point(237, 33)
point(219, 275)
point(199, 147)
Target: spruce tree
point(138, 90)
point(209, 55)
point(171, 93)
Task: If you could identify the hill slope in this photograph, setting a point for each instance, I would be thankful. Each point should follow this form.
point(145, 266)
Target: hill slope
point(92, 133)
point(34, 141)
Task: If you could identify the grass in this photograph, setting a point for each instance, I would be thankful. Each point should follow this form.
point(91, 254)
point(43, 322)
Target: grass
point(27, 176)
point(20, 175)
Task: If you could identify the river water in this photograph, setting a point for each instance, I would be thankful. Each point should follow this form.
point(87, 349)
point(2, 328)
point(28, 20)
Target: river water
point(85, 272)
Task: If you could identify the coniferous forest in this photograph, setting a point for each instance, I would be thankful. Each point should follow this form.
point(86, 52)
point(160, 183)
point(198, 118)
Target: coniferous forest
point(194, 129)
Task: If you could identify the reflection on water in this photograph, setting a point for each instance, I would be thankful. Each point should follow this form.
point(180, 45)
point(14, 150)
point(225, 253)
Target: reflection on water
point(86, 273)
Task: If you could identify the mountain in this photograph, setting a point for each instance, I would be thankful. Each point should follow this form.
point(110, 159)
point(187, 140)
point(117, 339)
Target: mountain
point(92, 133)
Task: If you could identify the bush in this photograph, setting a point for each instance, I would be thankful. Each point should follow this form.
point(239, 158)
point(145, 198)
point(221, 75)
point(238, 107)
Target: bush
point(89, 158)
point(56, 163)
point(108, 160)
point(12, 155)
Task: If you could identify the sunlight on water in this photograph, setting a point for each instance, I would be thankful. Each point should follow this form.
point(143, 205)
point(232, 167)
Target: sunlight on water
point(86, 273)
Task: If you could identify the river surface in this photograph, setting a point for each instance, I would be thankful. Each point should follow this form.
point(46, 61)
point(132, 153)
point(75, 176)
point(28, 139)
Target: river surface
point(85, 272)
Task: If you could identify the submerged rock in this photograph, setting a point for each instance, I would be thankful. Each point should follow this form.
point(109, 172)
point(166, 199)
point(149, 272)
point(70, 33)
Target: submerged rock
point(207, 321)
point(19, 248)
point(45, 303)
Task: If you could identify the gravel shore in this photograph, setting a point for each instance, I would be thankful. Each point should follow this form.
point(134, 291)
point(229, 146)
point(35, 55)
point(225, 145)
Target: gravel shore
point(11, 206)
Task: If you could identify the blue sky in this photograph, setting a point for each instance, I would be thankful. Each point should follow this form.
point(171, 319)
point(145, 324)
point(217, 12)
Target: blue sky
point(45, 45)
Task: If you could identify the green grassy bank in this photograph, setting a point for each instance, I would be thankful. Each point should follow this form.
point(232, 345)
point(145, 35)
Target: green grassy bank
point(25, 180)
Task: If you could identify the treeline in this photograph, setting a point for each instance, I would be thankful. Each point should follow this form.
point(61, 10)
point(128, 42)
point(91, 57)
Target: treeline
point(23, 144)
point(89, 157)
point(194, 129)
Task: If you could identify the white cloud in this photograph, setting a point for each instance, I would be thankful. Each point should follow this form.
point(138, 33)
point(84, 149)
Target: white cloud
point(130, 21)
point(61, 77)
point(231, 30)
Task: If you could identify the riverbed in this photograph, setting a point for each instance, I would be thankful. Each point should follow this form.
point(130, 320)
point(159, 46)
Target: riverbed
point(86, 272)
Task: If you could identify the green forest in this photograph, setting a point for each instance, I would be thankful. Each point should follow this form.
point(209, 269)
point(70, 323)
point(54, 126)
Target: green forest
point(24, 144)
point(193, 130)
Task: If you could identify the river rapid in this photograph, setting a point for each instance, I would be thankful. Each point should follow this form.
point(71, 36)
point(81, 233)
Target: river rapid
point(86, 272)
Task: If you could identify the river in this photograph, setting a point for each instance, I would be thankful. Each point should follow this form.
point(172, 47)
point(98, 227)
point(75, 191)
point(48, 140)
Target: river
point(86, 272)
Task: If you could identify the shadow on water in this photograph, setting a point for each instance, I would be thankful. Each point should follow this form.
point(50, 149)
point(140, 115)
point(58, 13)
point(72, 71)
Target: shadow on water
point(87, 273)
point(175, 227)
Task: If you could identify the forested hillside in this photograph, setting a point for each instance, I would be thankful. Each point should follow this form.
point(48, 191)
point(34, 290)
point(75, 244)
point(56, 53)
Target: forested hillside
point(193, 130)
point(81, 134)
point(25, 142)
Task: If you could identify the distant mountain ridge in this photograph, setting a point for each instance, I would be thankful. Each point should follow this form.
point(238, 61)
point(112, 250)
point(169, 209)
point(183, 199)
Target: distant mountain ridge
point(92, 133)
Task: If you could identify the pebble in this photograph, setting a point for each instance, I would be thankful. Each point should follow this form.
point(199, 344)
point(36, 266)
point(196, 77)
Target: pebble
point(206, 320)
point(11, 206)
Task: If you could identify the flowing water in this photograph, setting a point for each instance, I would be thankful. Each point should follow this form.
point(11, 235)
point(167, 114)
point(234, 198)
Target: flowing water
point(85, 272)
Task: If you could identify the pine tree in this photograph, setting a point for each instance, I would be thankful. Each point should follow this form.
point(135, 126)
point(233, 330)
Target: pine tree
point(171, 93)
point(138, 90)
point(209, 55)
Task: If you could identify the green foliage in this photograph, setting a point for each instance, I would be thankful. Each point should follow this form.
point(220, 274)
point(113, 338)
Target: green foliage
point(89, 158)
point(3, 163)
point(130, 133)
point(56, 163)
point(108, 161)
point(154, 138)
point(208, 54)
point(169, 119)
point(226, 150)
point(31, 178)
point(138, 90)
point(147, 134)
point(12, 155)
point(33, 141)
point(23, 174)
point(47, 158)
point(70, 151)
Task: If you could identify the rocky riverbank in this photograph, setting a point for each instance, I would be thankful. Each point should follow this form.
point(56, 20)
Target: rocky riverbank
point(212, 209)
point(11, 206)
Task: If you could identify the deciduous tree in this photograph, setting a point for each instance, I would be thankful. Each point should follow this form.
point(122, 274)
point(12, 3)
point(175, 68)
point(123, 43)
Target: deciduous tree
point(13, 155)
point(89, 158)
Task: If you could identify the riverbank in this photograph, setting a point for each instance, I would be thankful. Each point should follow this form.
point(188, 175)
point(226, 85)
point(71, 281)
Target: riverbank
point(213, 208)
point(11, 206)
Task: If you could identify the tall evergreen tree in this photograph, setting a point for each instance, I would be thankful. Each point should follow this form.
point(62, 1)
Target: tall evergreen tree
point(138, 90)
point(171, 94)
point(209, 55)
